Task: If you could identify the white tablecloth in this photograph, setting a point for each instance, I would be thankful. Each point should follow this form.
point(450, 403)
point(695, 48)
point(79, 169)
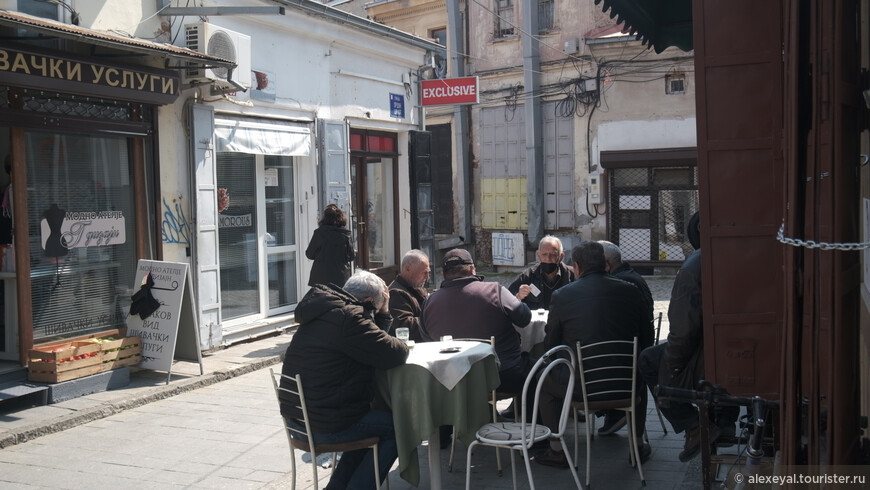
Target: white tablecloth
point(533, 333)
point(448, 368)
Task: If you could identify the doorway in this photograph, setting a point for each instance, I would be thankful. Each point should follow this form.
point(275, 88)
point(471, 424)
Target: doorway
point(374, 217)
point(257, 236)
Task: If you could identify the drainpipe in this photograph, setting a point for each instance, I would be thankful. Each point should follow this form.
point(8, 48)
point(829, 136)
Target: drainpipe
point(456, 68)
point(532, 107)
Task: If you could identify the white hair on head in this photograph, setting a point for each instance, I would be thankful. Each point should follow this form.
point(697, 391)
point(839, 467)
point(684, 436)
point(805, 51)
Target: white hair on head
point(413, 257)
point(552, 240)
point(612, 253)
point(363, 284)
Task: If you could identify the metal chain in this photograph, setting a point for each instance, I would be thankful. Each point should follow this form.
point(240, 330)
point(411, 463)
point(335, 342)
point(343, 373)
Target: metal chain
point(794, 242)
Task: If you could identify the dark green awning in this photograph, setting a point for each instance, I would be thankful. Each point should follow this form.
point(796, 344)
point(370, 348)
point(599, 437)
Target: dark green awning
point(659, 24)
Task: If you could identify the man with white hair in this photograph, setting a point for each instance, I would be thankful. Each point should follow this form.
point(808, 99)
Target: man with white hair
point(341, 340)
point(535, 285)
point(407, 294)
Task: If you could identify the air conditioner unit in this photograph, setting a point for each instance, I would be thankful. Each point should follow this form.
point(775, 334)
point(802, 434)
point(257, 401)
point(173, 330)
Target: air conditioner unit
point(223, 43)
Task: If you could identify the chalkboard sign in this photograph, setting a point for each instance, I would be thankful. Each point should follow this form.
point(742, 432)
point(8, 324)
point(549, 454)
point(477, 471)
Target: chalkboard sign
point(170, 332)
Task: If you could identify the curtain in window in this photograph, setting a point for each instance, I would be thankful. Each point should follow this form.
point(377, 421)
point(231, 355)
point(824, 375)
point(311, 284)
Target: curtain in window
point(81, 231)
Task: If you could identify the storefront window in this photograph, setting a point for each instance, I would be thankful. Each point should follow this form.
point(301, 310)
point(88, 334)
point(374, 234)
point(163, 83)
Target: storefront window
point(238, 237)
point(81, 232)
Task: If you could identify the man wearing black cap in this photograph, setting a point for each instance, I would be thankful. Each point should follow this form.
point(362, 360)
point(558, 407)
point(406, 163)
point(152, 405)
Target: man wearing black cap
point(466, 306)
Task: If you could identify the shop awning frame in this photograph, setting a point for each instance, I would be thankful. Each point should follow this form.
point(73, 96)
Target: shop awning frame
point(55, 29)
point(262, 137)
point(659, 24)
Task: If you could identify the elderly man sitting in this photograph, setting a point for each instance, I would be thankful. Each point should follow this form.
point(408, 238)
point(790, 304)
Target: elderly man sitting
point(407, 294)
point(342, 339)
point(466, 306)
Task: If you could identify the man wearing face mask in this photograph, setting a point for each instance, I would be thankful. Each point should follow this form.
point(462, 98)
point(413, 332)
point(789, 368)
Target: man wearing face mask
point(536, 284)
point(342, 339)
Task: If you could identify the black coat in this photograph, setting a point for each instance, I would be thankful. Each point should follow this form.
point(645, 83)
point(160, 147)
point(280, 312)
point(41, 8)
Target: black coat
point(336, 350)
point(332, 252)
point(533, 275)
point(626, 273)
point(683, 361)
point(594, 308)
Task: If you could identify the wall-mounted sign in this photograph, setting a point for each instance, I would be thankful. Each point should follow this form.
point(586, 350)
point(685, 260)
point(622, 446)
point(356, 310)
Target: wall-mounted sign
point(64, 230)
point(446, 91)
point(46, 69)
point(397, 105)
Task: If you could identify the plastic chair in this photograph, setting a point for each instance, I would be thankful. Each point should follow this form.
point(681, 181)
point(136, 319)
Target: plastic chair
point(495, 398)
point(293, 386)
point(520, 436)
point(658, 329)
point(608, 376)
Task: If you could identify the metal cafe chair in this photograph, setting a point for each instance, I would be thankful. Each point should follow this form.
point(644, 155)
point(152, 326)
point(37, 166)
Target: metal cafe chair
point(298, 439)
point(608, 376)
point(495, 397)
point(520, 436)
point(658, 323)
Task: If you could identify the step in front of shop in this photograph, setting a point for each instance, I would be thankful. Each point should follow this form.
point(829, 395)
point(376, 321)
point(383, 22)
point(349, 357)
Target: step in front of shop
point(15, 390)
point(86, 385)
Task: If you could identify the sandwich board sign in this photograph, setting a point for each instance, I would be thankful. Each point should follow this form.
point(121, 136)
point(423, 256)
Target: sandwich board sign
point(169, 332)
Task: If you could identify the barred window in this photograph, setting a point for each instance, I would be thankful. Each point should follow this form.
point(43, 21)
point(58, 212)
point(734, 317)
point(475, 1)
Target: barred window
point(504, 20)
point(546, 15)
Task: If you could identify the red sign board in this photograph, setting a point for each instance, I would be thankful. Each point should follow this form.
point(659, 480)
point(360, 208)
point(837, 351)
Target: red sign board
point(449, 91)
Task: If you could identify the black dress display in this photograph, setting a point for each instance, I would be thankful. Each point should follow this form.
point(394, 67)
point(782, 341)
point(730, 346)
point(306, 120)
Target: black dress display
point(54, 246)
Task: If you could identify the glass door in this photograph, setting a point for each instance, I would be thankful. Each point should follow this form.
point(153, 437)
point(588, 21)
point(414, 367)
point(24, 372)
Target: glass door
point(280, 234)
point(372, 197)
point(257, 236)
point(238, 235)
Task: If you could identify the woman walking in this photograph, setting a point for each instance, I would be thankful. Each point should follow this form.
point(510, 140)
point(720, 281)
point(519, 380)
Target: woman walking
point(331, 249)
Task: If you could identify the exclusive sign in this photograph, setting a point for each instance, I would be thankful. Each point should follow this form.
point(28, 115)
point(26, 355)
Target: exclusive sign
point(449, 91)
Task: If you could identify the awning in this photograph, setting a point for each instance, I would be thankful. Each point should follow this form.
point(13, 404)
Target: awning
point(659, 24)
point(56, 29)
point(262, 138)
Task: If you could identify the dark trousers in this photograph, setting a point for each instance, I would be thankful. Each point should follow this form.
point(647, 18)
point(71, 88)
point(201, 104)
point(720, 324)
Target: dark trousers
point(553, 394)
point(682, 416)
point(355, 469)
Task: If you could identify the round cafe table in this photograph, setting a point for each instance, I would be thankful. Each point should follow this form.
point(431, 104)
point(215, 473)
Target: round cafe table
point(437, 388)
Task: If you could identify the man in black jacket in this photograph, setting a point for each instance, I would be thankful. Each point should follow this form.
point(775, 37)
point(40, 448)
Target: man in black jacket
point(596, 307)
point(614, 419)
point(407, 294)
point(535, 285)
point(342, 339)
point(679, 362)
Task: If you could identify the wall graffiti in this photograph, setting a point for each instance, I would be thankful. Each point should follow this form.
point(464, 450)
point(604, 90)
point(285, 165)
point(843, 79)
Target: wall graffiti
point(176, 229)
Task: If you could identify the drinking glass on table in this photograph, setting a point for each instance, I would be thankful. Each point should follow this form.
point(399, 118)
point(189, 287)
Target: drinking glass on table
point(403, 334)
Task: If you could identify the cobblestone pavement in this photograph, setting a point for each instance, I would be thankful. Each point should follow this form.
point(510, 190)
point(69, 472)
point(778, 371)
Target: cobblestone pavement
point(222, 429)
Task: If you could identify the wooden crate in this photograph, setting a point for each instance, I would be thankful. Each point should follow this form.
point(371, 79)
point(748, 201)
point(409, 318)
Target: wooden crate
point(65, 362)
point(122, 352)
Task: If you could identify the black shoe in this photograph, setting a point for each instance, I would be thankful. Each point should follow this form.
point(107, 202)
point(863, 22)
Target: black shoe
point(611, 425)
point(644, 450)
point(539, 447)
point(692, 446)
point(552, 458)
